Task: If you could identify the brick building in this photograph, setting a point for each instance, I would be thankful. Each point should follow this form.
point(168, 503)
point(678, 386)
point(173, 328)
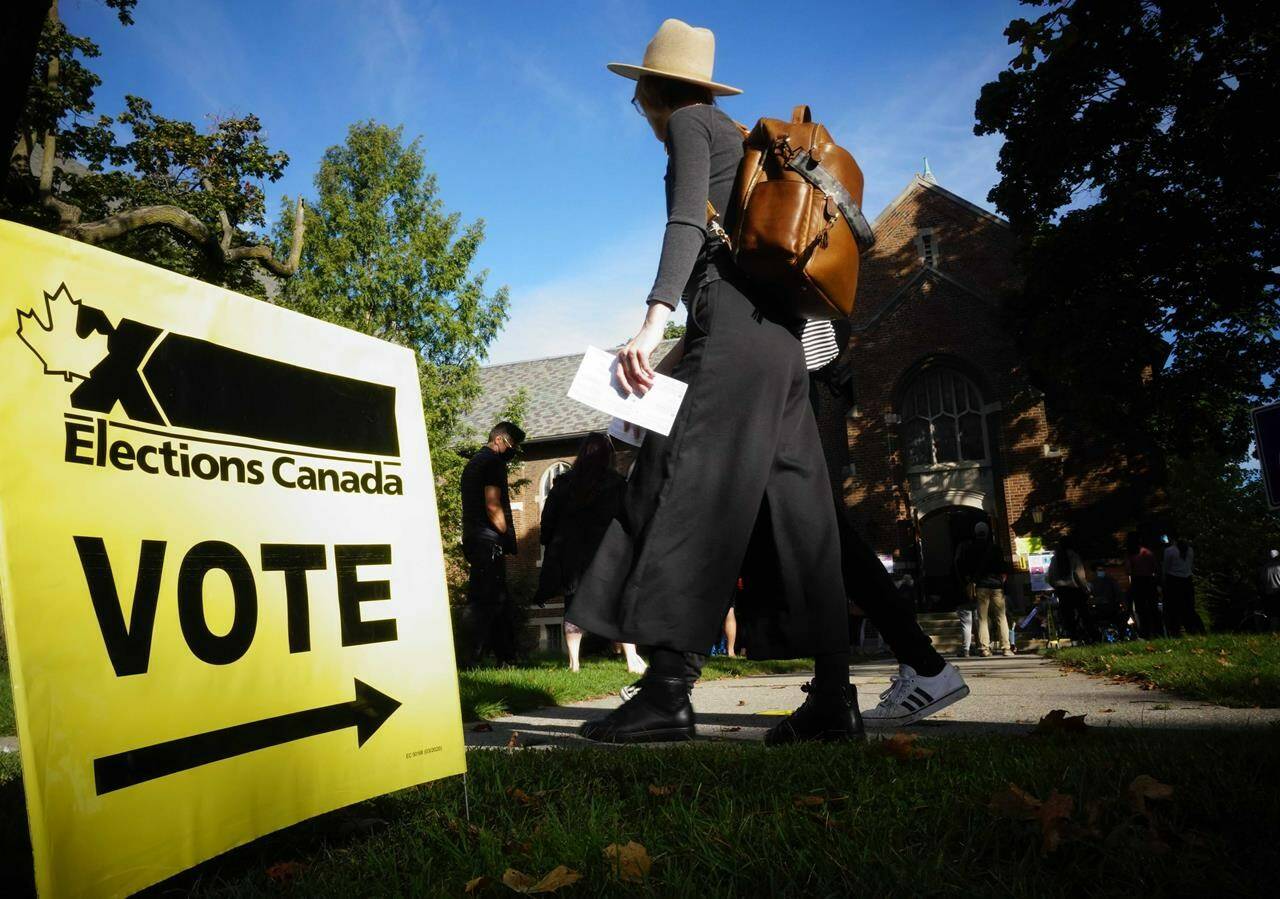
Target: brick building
point(946, 429)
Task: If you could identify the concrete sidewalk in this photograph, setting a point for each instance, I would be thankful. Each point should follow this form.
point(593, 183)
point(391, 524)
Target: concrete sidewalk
point(1007, 695)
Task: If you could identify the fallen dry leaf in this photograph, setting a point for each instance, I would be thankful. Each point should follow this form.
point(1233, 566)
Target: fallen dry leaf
point(1105, 711)
point(513, 741)
point(742, 702)
point(516, 847)
point(483, 727)
point(902, 747)
point(555, 879)
point(655, 790)
point(476, 884)
point(1059, 722)
point(1014, 802)
point(808, 800)
point(1143, 788)
point(522, 797)
point(285, 872)
point(1053, 814)
point(517, 880)
point(631, 861)
point(731, 729)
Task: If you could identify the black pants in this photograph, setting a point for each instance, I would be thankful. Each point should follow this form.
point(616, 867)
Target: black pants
point(742, 466)
point(1143, 593)
point(1180, 606)
point(490, 614)
point(1073, 609)
point(866, 581)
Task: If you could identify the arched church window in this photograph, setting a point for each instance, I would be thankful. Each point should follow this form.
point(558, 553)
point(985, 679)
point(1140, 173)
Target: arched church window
point(942, 419)
point(554, 470)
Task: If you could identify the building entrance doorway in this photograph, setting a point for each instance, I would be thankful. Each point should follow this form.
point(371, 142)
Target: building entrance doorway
point(941, 532)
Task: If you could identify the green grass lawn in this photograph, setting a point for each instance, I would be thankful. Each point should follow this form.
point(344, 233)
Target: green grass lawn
point(734, 820)
point(1227, 669)
point(490, 692)
point(6, 702)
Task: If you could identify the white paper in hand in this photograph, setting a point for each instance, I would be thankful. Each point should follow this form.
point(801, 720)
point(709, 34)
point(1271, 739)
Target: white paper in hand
point(626, 432)
point(596, 385)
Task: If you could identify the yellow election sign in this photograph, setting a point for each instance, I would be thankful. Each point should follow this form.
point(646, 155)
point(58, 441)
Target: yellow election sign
point(220, 566)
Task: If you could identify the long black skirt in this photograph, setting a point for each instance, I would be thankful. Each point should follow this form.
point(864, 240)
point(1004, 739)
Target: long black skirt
point(738, 489)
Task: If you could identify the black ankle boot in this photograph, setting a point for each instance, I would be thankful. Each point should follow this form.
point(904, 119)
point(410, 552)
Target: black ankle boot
point(660, 712)
point(829, 714)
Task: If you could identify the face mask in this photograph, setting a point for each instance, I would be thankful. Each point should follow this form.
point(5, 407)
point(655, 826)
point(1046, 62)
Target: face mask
point(507, 454)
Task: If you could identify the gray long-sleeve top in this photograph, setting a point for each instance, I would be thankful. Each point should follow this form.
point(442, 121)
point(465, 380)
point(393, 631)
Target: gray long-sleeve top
point(704, 147)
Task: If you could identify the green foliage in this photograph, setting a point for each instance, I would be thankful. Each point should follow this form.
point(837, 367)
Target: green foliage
point(109, 165)
point(672, 330)
point(384, 257)
point(1152, 309)
point(1223, 509)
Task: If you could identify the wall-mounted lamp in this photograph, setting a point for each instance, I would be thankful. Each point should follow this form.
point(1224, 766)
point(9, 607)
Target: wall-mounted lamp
point(1037, 514)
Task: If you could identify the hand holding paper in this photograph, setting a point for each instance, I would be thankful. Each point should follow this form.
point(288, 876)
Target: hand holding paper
point(596, 385)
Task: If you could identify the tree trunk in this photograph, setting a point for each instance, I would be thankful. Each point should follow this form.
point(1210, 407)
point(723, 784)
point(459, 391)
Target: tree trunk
point(20, 24)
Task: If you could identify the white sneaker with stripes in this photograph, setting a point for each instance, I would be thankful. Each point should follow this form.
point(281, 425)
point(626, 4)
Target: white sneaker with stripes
point(911, 697)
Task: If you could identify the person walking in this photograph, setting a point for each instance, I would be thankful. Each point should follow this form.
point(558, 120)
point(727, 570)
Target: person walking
point(1179, 590)
point(575, 515)
point(983, 570)
point(1144, 587)
point(925, 683)
point(488, 536)
point(1070, 581)
point(739, 486)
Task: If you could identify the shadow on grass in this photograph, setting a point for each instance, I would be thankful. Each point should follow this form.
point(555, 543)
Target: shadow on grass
point(933, 811)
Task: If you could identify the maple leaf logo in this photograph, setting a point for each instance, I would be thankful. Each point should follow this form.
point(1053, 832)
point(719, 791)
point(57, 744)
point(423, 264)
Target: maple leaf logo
point(54, 339)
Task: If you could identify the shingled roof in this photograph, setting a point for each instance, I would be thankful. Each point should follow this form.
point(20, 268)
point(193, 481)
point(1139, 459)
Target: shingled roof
point(550, 414)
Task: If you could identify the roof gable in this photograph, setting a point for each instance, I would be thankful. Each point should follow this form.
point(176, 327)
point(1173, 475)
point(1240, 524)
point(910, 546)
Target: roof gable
point(549, 414)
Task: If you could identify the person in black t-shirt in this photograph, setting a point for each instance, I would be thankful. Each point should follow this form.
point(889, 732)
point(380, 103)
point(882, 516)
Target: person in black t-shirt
point(488, 535)
point(983, 570)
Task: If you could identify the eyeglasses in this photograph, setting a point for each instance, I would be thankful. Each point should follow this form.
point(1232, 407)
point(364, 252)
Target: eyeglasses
point(635, 101)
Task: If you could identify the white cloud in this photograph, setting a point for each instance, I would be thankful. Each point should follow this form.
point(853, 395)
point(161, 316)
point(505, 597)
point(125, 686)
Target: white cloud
point(600, 303)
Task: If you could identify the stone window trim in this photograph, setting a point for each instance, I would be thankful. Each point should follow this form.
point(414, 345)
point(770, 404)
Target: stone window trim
point(943, 422)
point(545, 483)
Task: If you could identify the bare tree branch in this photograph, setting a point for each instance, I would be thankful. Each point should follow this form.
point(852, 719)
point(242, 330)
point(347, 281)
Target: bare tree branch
point(180, 220)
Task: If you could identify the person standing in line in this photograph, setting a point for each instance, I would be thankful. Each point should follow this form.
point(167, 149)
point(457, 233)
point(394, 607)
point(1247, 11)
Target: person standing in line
point(925, 683)
point(1269, 587)
point(1179, 590)
point(488, 536)
point(731, 634)
point(575, 516)
point(1144, 587)
point(982, 569)
point(741, 475)
point(1070, 581)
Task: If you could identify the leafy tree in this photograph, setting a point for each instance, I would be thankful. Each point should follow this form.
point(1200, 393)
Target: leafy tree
point(170, 194)
point(1222, 507)
point(1150, 308)
point(384, 257)
point(672, 329)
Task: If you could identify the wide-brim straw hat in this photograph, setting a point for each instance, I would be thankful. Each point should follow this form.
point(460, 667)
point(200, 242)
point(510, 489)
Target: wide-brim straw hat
point(679, 51)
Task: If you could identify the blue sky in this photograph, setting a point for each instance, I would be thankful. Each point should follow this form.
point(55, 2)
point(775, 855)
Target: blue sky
point(526, 129)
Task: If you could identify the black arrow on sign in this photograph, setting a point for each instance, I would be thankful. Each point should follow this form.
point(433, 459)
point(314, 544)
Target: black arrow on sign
point(366, 713)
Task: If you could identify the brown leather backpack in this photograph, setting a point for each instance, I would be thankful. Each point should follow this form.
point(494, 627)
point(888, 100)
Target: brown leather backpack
point(794, 223)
